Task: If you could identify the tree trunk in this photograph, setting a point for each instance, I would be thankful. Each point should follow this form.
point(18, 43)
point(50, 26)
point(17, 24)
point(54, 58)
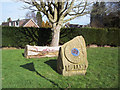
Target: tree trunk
point(55, 35)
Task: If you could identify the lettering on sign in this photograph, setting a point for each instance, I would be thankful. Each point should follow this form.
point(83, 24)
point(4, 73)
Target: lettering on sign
point(47, 49)
point(44, 50)
point(75, 67)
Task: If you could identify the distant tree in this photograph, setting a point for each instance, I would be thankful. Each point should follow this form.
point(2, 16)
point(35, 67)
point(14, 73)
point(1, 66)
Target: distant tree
point(9, 19)
point(47, 25)
point(43, 24)
point(31, 15)
point(105, 14)
point(112, 18)
point(97, 13)
point(39, 19)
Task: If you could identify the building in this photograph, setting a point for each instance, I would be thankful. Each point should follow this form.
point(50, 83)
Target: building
point(68, 25)
point(20, 23)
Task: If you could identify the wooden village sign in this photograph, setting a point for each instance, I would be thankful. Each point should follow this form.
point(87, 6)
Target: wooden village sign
point(72, 56)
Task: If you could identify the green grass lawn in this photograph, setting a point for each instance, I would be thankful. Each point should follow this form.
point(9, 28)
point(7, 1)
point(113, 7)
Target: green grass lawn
point(19, 72)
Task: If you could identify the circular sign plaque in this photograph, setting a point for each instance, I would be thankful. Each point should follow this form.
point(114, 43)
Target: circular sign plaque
point(75, 52)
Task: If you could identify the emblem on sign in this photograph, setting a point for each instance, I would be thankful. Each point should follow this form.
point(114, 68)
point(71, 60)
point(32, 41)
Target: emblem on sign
point(75, 52)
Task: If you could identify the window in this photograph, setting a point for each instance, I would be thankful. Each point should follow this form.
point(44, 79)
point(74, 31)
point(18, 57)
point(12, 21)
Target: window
point(17, 23)
point(11, 23)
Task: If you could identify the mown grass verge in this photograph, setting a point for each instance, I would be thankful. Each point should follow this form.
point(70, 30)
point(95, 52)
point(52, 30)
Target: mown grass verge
point(19, 72)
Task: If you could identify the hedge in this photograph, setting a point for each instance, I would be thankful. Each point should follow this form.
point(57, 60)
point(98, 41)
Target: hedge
point(21, 36)
point(98, 36)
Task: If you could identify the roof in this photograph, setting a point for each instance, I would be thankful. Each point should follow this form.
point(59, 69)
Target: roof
point(28, 20)
point(22, 22)
point(74, 25)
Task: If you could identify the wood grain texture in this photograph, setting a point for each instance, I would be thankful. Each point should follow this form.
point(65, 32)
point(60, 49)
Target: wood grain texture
point(40, 51)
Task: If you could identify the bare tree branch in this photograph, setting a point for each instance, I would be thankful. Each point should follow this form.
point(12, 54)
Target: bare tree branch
point(69, 9)
point(57, 11)
point(79, 10)
point(75, 17)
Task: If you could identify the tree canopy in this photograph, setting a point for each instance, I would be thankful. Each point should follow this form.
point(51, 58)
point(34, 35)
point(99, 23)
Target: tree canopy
point(57, 10)
point(105, 14)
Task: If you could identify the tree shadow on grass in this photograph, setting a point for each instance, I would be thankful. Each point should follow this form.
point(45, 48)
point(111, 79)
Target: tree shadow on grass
point(52, 63)
point(30, 67)
point(23, 55)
